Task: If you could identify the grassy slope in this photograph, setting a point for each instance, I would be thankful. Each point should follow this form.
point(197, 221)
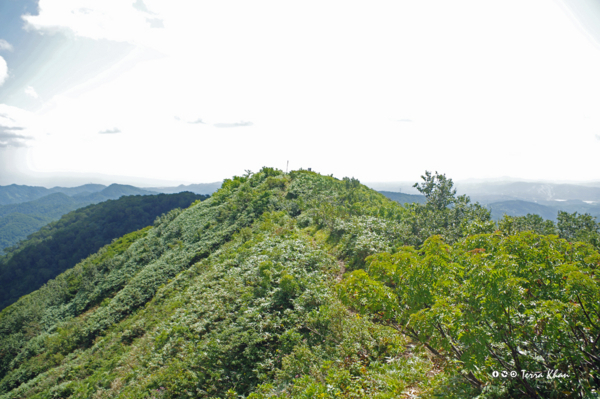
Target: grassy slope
point(231, 296)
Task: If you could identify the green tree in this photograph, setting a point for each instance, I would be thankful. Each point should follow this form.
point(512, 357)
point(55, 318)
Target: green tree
point(438, 190)
point(492, 302)
point(514, 224)
point(579, 227)
point(444, 213)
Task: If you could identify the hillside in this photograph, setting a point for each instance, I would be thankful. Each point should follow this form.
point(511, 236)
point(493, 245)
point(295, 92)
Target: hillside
point(404, 198)
point(16, 226)
point(93, 193)
point(304, 286)
point(111, 192)
point(15, 194)
point(521, 208)
point(45, 205)
point(19, 220)
point(62, 244)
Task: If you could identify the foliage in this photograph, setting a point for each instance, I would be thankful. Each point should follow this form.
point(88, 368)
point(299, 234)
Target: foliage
point(62, 244)
point(574, 227)
point(524, 302)
point(25, 213)
point(220, 299)
point(17, 226)
point(445, 214)
point(438, 190)
point(535, 223)
point(238, 296)
point(17, 221)
point(570, 226)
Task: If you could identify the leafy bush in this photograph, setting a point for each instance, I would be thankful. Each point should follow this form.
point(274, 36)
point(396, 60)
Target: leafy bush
point(520, 303)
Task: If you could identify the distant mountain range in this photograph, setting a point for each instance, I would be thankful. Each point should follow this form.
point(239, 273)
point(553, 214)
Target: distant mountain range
point(517, 198)
point(521, 208)
point(16, 194)
point(488, 192)
point(404, 198)
point(25, 209)
point(201, 188)
point(535, 192)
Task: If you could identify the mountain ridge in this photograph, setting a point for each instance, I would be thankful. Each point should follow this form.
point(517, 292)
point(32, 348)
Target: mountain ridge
point(298, 285)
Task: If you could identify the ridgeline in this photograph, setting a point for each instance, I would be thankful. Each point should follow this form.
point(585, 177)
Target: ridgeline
point(304, 286)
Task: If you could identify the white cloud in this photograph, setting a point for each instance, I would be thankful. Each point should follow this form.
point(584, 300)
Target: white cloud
point(108, 19)
point(30, 91)
point(16, 127)
point(25, 122)
point(4, 45)
point(12, 137)
point(3, 71)
point(139, 5)
point(114, 130)
point(340, 74)
point(236, 124)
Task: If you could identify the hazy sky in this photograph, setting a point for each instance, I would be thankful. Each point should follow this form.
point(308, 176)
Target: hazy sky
point(164, 92)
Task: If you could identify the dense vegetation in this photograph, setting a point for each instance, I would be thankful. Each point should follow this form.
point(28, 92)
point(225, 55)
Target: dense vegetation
point(301, 285)
point(19, 219)
point(62, 244)
point(493, 302)
point(16, 226)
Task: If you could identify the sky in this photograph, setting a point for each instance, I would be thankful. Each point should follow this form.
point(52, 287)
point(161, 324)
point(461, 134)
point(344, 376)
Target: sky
point(150, 92)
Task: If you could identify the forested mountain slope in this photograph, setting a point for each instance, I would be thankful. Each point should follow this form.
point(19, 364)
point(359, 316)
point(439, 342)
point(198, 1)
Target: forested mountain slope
point(521, 208)
point(301, 285)
point(19, 220)
point(61, 244)
point(113, 191)
point(16, 194)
